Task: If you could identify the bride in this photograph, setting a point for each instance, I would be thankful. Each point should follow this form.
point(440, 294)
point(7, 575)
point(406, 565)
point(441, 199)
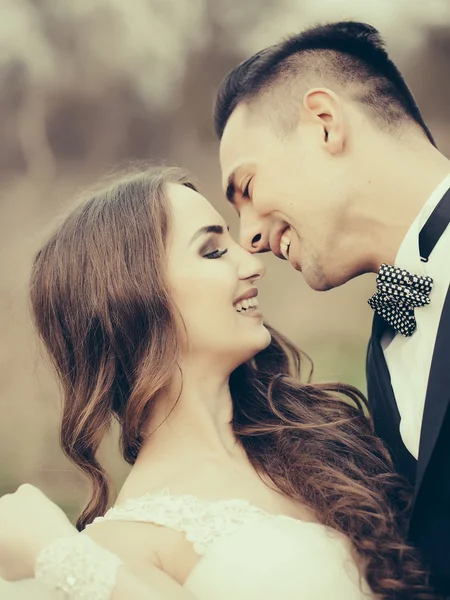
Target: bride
point(245, 482)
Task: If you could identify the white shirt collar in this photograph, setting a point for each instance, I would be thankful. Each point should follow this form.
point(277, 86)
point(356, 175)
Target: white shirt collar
point(408, 256)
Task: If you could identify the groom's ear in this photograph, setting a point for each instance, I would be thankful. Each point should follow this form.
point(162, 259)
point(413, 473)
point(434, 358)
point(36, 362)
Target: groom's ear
point(324, 108)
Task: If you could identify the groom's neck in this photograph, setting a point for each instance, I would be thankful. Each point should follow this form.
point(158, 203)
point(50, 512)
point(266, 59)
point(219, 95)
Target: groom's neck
point(401, 178)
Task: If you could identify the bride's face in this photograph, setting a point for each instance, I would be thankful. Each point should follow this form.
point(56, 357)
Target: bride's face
point(208, 274)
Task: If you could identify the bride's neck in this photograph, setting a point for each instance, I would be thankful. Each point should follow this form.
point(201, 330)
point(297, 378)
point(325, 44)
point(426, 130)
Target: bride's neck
point(192, 418)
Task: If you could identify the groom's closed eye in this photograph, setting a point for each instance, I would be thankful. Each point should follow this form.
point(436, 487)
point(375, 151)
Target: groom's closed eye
point(246, 190)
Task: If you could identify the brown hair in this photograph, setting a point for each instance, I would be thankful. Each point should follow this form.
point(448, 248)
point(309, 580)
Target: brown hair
point(104, 312)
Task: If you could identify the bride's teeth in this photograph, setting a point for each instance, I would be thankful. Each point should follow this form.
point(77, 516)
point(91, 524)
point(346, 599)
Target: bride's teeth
point(286, 237)
point(285, 243)
point(247, 304)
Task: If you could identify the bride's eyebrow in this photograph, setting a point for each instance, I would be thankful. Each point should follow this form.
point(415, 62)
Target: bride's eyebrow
point(218, 229)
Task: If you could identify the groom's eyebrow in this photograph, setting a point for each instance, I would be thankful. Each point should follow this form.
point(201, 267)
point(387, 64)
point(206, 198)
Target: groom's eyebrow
point(232, 186)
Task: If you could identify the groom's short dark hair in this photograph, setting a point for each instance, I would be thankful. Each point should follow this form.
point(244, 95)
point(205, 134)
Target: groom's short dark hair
point(348, 54)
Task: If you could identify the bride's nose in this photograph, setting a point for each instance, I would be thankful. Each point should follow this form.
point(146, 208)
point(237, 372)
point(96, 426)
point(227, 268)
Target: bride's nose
point(250, 266)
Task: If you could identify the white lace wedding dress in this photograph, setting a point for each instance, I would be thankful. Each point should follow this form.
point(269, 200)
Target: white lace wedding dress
point(245, 553)
point(249, 554)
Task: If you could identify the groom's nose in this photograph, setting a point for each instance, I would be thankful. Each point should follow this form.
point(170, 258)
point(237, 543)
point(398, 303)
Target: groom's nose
point(254, 234)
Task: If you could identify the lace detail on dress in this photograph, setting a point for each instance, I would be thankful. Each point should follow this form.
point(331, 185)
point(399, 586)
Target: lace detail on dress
point(204, 522)
point(77, 567)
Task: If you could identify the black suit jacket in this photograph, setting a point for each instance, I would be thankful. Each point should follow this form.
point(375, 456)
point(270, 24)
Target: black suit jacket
point(430, 474)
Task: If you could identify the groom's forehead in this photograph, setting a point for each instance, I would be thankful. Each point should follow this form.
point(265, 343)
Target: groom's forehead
point(235, 135)
point(243, 140)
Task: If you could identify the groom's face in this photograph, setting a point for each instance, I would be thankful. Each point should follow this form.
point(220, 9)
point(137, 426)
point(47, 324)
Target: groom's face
point(287, 193)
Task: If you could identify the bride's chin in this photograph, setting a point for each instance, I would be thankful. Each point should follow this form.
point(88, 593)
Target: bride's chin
point(265, 340)
point(231, 358)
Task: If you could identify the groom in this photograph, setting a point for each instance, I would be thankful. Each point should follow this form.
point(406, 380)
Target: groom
point(327, 160)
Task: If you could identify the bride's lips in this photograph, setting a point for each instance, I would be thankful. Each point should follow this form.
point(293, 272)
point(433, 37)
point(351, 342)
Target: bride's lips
point(275, 240)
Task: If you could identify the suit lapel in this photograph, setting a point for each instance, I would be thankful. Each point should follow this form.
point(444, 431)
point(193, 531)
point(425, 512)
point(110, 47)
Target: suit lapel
point(438, 394)
point(383, 405)
point(380, 368)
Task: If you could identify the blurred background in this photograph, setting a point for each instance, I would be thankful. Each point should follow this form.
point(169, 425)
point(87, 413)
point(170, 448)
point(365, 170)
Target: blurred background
point(89, 86)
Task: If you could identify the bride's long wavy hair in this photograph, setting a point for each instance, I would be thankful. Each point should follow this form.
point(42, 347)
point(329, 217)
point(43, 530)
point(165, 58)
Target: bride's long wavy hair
point(103, 309)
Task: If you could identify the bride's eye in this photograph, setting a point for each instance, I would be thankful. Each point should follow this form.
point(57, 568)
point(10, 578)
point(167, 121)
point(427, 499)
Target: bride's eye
point(215, 254)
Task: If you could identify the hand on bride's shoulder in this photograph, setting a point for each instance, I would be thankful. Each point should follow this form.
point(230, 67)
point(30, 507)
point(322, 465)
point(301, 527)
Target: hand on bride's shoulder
point(28, 522)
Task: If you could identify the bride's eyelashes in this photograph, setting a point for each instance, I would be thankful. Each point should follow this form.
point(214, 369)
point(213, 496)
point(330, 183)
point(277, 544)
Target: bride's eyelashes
point(210, 249)
point(215, 253)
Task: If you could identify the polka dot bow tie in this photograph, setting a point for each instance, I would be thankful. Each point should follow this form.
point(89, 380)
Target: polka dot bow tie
point(399, 293)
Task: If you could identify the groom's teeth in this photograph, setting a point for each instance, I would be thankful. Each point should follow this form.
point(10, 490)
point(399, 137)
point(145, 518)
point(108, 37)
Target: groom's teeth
point(285, 243)
point(238, 306)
